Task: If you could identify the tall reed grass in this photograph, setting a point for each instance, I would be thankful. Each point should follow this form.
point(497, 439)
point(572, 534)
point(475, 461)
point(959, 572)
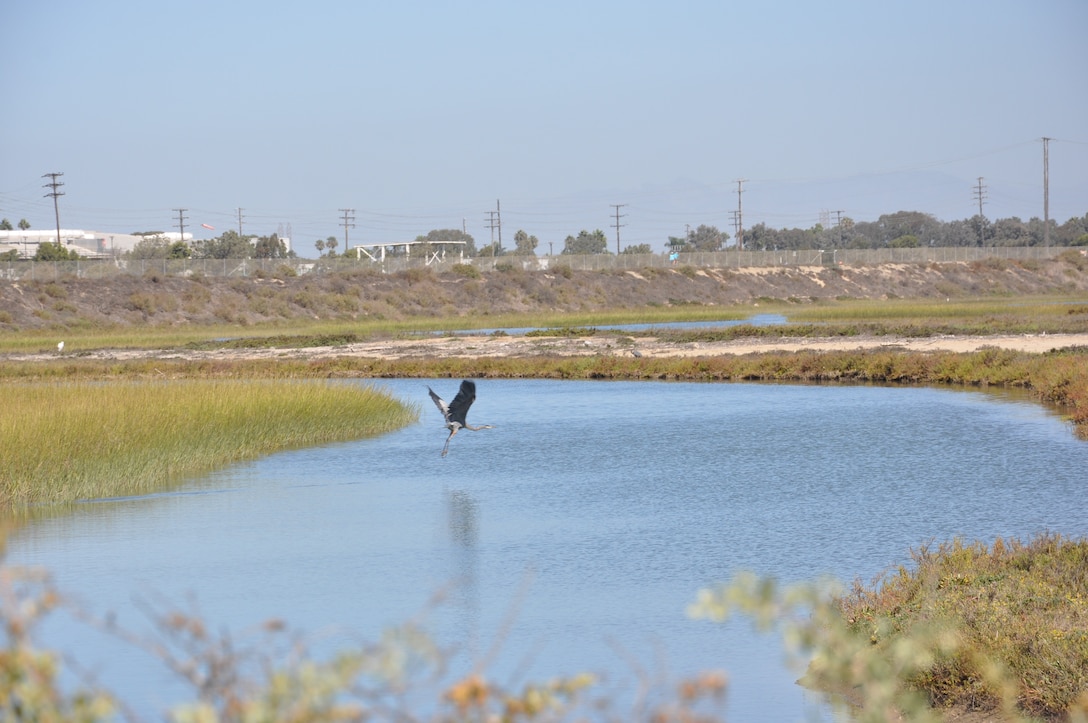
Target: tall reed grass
point(82, 440)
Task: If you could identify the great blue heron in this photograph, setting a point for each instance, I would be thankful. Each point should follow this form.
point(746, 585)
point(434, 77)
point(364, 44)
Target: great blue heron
point(456, 411)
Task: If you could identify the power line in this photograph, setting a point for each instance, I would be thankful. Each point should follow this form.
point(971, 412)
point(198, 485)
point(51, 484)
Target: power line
point(55, 193)
point(349, 222)
point(181, 221)
point(740, 214)
point(492, 224)
point(980, 196)
point(1046, 191)
point(617, 224)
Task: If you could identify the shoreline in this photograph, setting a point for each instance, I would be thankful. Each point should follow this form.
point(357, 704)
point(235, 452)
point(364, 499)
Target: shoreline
point(521, 346)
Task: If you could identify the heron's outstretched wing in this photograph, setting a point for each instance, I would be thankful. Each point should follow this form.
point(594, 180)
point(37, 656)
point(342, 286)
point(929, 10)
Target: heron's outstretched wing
point(440, 403)
point(458, 409)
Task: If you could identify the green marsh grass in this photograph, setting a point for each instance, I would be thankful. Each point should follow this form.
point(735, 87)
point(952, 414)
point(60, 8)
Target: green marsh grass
point(889, 317)
point(1010, 310)
point(68, 441)
point(1023, 606)
point(170, 336)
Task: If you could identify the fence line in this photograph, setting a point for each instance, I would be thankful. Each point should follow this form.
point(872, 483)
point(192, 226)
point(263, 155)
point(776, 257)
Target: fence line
point(107, 268)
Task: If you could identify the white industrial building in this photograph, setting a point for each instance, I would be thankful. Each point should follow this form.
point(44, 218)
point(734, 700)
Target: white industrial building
point(91, 244)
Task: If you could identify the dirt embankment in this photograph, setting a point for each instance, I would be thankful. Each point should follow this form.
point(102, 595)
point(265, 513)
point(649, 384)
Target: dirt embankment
point(166, 300)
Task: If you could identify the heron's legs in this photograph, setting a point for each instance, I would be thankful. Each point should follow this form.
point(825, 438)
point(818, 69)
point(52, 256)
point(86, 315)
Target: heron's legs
point(446, 448)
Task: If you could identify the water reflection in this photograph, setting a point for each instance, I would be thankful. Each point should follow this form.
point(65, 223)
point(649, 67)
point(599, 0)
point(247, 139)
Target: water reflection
point(462, 524)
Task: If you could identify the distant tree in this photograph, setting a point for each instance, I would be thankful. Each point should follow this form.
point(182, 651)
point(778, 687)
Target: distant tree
point(331, 243)
point(270, 247)
point(320, 246)
point(762, 238)
point(53, 251)
point(586, 243)
point(638, 249)
point(844, 232)
point(706, 238)
point(12, 255)
point(525, 245)
point(904, 223)
point(179, 250)
point(150, 247)
point(1010, 232)
point(5, 225)
point(981, 227)
point(910, 241)
point(24, 225)
point(459, 241)
point(492, 249)
point(701, 238)
point(679, 244)
point(1070, 231)
point(228, 245)
point(956, 233)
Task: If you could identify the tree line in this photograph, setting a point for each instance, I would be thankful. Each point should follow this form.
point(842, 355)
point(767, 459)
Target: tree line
point(903, 229)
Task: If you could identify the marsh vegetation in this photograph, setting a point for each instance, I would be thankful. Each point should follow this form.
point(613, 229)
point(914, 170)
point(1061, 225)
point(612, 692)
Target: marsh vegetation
point(78, 428)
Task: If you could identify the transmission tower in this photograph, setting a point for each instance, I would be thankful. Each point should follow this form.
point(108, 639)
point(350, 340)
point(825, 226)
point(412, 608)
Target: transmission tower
point(55, 193)
point(980, 196)
point(617, 223)
point(740, 214)
point(240, 223)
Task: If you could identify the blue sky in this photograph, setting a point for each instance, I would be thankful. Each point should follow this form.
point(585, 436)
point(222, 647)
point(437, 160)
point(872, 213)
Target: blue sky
point(422, 115)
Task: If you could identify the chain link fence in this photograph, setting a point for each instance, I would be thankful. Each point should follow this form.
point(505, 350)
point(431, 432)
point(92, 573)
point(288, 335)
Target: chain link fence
point(262, 268)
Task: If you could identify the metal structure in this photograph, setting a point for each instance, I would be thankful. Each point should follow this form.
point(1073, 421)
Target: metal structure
point(433, 254)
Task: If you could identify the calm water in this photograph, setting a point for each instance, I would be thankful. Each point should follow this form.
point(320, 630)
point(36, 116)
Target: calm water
point(593, 514)
point(756, 320)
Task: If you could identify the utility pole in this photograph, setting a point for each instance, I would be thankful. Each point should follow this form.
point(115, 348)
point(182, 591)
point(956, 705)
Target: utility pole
point(617, 224)
point(349, 222)
point(55, 194)
point(240, 223)
point(498, 215)
point(838, 225)
point(181, 221)
point(740, 214)
point(492, 224)
point(980, 195)
point(1046, 191)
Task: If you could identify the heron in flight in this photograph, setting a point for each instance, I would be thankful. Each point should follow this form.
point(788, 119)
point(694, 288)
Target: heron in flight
point(455, 411)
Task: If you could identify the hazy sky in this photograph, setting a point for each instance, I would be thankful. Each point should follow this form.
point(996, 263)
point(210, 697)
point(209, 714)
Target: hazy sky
point(422, 115)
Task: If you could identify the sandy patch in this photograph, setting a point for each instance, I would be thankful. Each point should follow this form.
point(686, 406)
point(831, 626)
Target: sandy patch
point(520, 346)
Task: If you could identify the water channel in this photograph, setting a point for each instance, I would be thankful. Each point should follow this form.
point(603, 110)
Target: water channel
point(591, 515)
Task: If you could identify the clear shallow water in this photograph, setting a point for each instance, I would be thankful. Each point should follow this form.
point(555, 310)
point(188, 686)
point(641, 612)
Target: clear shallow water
point(593, 513)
